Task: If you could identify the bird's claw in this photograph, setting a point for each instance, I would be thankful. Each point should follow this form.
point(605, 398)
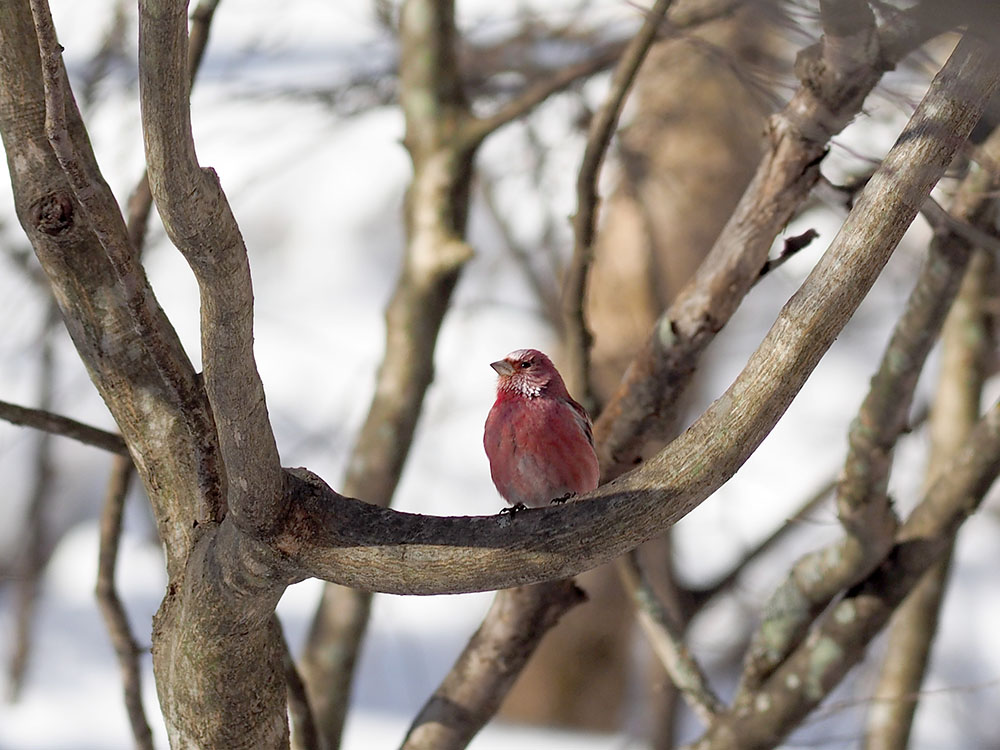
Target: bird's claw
point(515, 508)
point(563, 499)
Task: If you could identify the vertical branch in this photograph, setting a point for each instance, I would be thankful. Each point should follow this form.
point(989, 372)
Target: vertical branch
point(966, 344)
point(112, 609)
point(200, 223)
point(602, 128)
point(141, 199)
point(441, 142)
point(34, 554)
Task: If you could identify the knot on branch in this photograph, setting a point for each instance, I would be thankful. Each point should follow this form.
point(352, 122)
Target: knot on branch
point(52, 214)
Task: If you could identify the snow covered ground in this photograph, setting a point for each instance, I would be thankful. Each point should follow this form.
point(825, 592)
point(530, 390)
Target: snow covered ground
point(318, 197)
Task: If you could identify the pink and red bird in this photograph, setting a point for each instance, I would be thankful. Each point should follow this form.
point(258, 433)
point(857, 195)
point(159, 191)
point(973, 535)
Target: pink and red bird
point(538, 439)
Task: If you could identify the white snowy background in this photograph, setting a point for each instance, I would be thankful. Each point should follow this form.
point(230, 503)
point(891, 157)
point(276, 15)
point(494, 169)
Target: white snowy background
point(318, 196)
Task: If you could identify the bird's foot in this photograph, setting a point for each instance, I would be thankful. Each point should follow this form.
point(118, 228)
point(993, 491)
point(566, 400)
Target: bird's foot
point(515, 508)
point(563, 499)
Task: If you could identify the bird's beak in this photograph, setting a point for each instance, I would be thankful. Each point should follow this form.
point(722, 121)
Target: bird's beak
point(503, 368)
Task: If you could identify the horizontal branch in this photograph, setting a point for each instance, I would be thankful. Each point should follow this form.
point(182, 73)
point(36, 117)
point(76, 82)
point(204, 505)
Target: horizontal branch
point(359, 545)
point(57, 424)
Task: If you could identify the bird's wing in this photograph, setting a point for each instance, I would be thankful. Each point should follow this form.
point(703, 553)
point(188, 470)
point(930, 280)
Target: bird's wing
point(583, 419)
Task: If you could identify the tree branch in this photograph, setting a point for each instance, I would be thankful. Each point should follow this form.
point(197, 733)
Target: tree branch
point(474, 688)
point(576, 335)
point(200, 223)
point(127, 344)
point(964, 353)
point(112, 609)
point(839, 639)
point(357, 545)
point(834, 85)
point(668, 642)
point(862, 502)
point(56, 424)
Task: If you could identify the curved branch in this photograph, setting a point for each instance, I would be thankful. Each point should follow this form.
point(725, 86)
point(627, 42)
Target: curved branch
point(837, 74)
point(199, 221)
point(355, 544)
point(126, 342)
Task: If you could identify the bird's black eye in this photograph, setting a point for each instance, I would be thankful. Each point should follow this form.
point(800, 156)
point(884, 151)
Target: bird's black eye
point(525, 365)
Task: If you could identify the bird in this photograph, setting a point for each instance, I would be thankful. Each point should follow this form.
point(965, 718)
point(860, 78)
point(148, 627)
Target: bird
point(539, 441)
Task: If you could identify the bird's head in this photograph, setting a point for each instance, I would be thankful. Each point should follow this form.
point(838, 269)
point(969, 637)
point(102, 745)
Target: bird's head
point(528, 373)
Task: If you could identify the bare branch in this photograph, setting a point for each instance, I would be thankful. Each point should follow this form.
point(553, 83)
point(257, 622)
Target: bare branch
point(667, 641)
point(141, 199)
point(59, 425)
point(577, 337)
point(485, 671)
point(199, 221)
point(965, 348)
point(132, 353)
point(435, 109)
point(33, 552)
point(840, 638)
point(540, 91)
point(364, 547)
point(863, 505)
point(112, 609)
point(834, 85)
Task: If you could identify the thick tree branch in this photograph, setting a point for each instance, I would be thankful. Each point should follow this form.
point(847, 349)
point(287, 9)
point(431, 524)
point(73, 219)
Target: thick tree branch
point(57, 424)
point(127, 344)
point(112, 609)
point(836, 75)
point(361, 546)
point(199, 221)
point(485, 671)
point(576, 335)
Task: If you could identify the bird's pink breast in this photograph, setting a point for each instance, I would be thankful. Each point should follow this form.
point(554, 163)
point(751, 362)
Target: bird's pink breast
point(538, 450)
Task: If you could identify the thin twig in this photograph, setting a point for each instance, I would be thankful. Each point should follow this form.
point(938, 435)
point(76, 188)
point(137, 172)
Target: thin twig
point(40, 419)
point(577, 336)
point(667, 641)
point(34, 553)
point(305, 734)
point(115, 618)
